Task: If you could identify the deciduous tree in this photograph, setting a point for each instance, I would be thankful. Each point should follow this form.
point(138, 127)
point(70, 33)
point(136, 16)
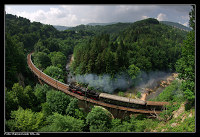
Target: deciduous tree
point(62, 123)
point(57, 101)
point(99, 120)
point(25, 120)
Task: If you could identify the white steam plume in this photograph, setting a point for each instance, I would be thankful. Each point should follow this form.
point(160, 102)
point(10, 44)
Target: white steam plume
point(104, 82)
point(120, 81)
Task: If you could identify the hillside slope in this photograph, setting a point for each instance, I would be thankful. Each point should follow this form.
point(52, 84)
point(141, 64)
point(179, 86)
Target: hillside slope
point(176, 25)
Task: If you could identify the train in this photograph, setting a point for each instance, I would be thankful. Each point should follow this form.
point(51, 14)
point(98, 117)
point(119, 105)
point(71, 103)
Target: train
point(92, 94)
point(113, 99)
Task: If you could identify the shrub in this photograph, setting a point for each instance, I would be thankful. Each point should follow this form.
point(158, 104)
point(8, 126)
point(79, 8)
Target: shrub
point(60, 123)
point(99, 120)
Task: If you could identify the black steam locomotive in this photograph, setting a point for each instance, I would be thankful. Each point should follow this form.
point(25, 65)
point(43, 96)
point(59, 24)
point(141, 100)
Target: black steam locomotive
point(84, 92)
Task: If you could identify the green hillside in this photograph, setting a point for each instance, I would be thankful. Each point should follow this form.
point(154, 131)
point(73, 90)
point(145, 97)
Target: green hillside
point(177, 25)
point(146, 44)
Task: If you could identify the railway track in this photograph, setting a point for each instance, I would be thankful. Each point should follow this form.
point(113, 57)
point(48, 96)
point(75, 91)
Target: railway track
point(65, 88)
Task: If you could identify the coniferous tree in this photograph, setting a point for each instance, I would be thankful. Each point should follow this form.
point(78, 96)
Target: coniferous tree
point(186, 64)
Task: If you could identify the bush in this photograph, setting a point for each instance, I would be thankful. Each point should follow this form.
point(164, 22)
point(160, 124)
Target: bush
point(73, 109)
point(55, 73)
point(25, 120)
point(124, 127)
point(188, 125)
point(57, 101)
point(99, 120)
point(121, 93)
point(60, 123)
point(168, 111)
point(172, 92)
point(138, 95)
point(41, 60)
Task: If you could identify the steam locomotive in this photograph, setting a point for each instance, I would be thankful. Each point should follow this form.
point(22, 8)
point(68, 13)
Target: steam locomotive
point(84, 92)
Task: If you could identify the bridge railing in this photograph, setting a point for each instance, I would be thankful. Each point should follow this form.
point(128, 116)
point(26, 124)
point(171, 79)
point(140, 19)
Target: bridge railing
point(42, 73)
point(64, 87)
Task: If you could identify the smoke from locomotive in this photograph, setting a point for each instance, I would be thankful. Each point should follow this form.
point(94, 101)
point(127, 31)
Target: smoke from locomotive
point(151, 79)
point(120, 81)
point(105, 82)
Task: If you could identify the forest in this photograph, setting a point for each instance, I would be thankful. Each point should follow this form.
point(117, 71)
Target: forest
point(122, 48)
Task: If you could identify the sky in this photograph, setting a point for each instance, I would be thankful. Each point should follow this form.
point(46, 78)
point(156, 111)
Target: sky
point(73, 15)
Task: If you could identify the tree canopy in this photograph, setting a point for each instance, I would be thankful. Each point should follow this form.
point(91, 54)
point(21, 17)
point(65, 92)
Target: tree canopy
point(185, 66)
point(99, 119)
point(145, 45)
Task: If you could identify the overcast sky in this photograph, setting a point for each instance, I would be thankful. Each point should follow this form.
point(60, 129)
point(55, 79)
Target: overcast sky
point(73, 15)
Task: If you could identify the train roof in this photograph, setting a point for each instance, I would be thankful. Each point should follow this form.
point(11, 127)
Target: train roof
point(123, 99)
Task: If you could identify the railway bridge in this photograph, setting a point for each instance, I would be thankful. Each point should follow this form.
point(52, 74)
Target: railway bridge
point(114, 109)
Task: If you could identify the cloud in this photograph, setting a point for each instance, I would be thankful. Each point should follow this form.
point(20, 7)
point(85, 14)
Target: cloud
point(180, 8)
point(108, 13)
point(161, 17)
point(8, 9)
point(145, 17)
point(72, 15)
point(53, 16)
point(186, 17)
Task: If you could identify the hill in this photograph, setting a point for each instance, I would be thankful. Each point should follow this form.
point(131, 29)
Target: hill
point(97, 29)
point(23, 36)
point(147, 45)
point(176, 25)
point(102, 24)
point(61, 28)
